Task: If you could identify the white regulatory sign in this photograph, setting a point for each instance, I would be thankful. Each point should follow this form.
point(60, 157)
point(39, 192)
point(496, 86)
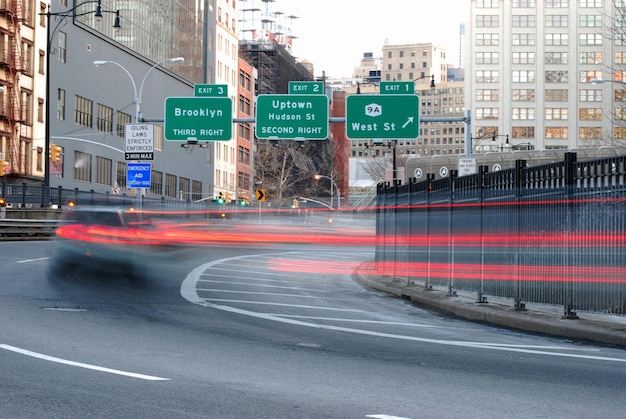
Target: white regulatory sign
point(467, 166)
point(139, 142)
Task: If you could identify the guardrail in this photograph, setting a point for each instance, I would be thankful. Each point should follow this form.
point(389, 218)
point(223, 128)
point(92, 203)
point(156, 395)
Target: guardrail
point(14, 229)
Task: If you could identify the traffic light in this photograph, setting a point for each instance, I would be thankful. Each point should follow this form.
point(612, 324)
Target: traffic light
point(3, 202)
point(220, 198)
point(228, 198)
point(295, 204)
point(243, 202)
point(55, 152)
point(3, 165)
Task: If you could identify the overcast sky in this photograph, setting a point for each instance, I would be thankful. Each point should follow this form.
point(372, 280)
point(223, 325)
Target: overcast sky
point(334, 34)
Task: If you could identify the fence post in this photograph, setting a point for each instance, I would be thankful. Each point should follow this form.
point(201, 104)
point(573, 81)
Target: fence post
point(518, 183)
point(451, 185)
point(570, 178)
point(430, 177)
point(482, 170)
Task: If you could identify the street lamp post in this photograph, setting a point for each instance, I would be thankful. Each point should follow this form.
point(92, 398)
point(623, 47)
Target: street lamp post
point(332, 185)
point(49, 36)
point(138, 117)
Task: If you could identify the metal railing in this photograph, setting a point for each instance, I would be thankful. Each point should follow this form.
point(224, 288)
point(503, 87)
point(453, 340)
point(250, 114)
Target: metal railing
point(551, 234)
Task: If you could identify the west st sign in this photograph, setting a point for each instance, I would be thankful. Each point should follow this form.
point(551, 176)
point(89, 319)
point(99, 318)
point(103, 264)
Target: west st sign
point(382, 116)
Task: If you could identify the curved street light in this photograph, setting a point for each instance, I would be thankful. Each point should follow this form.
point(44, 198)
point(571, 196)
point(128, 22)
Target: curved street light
point(332, 184)
point(138, 117)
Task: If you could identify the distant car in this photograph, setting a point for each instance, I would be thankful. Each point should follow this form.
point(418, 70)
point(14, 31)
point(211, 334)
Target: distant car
point(102, 238)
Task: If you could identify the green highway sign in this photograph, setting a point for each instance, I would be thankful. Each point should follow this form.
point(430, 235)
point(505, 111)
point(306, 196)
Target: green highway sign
point(397, 88)
point(306, 87)
point(292, 117)
point(210, 90)
point(382, 116)
point(198, 118)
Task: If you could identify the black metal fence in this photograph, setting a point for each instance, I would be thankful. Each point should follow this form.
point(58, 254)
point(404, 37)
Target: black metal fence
point(553, 233)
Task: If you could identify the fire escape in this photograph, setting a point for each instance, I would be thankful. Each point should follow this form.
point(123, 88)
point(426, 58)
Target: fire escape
point(11, 66)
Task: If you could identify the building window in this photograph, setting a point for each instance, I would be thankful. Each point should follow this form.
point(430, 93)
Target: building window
point(120, 174)
point(590, 133)
point(104, 120)
point(590, 95)
point(244, 105)
point(556, 132)
point(83, 112)
point(487, 95)
point(61, 105)
point(82, 171)
point(523, 132)
point(556, 77)
point(619, 96)
point(103, 170)
point(619, 133)
point(27, 108)
point(42, 62)
point(487, 58)
point(619, 114)
point(486, 39)
point(170, 185)
point(62, 47)
point(590, 3)
point(122, 120)
point(523, 95)
point(556, 58)
point(523, 76)
point(156, 182)
point(523, 39)
point(523, 4)
point(556, 95)
point(556, 21)
point(587, 76)
point(591, 114)
point(490, 76)
point(487, 21)
point(487, 113)
point(590, 58)
point(560, 114)
point(590, 21)
point(40, 110)
point(557, 3)
point(523, 21)
point(523, 113)
point(557, 39)
point(523, 58)
point(487, 4)
point(590, 39)
point(619, 58)
point(184, 185)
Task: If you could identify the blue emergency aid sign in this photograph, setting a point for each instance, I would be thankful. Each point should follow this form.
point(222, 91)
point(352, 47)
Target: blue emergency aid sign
point(138, 175)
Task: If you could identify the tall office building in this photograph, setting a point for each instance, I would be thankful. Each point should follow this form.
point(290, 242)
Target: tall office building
point(531, 66)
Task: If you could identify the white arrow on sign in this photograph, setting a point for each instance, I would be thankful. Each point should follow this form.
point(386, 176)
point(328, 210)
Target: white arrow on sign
point(409, 120)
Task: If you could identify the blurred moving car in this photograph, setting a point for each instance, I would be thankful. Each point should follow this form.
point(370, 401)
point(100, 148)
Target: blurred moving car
point(102, 238)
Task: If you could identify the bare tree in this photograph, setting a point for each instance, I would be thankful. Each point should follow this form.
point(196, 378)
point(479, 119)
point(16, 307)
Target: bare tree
point(285, 169)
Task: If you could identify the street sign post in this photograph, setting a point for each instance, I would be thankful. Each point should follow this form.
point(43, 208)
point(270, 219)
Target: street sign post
point(139, 142)
point(198, 118)
point(138, 175)
point(292, 117)
point(397, 87)
point(306, 88)
point(382, 116)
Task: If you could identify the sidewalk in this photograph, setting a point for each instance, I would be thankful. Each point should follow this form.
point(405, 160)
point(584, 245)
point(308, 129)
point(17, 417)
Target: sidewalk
point(536, 318)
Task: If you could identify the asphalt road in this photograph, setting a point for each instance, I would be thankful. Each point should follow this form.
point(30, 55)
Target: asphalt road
point(271, 332)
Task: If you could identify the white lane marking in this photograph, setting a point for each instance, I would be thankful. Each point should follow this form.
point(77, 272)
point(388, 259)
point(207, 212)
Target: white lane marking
point(80, 364)
point(188, 292)
point(31, 260)
point(267, 303)
point(64, 309)
point(385, 417)
point(213, 281)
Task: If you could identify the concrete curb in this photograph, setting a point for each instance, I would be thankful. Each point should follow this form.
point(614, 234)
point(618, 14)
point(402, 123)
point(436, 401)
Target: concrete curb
point(596, 330)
